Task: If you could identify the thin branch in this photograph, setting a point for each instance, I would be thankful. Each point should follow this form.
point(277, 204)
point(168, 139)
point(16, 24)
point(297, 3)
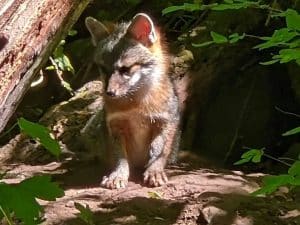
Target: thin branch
point(65, 84)
point(270, 13)
point(277, 160)
point(286, 112)
point(9, 130)
point(270, 8)
point(240, 119)
point(287, 159)
point(253, 36)
point(6, 216)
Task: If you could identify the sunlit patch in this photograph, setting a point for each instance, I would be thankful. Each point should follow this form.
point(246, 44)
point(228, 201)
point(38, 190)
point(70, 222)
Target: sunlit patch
point(291, 214)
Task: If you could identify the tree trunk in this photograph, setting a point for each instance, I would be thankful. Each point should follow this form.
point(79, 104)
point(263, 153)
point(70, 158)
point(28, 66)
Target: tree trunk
point(29, 32)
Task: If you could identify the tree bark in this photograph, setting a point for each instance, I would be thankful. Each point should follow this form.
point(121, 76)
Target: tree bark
point(29, 32)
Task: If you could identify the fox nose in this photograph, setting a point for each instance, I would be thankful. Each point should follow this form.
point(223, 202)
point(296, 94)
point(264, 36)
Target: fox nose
point(110, 93)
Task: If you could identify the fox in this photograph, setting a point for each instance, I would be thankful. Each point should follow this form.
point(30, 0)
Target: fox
point(141, 105)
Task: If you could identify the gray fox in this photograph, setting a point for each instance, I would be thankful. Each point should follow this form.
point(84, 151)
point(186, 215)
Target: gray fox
point(141, 105)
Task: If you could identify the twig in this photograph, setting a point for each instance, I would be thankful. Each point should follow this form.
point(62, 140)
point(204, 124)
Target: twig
point(39, 81)
point(9, 130)
point(277, 160)
point(65, 84)
point(239, 122)
point(286, 112)
point(6, 216)
point(286, 158)
point(270, 8)
point(270, 13)
point(280, 160)
point(254, 36)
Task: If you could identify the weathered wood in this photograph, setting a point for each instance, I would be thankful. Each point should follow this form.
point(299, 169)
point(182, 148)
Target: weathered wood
point(29, 32)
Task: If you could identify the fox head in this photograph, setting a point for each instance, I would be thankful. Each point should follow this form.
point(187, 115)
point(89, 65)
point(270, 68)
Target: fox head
point(130, 56)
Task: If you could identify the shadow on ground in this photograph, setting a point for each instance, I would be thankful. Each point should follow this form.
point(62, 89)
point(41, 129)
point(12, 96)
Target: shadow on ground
point(138, 210)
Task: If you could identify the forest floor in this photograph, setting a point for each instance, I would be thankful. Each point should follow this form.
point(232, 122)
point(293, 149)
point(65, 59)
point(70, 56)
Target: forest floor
point(193, 195)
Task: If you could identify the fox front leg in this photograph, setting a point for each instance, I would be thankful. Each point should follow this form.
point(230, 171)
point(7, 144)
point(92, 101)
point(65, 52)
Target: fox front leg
point(119, 177)
point(161, 147)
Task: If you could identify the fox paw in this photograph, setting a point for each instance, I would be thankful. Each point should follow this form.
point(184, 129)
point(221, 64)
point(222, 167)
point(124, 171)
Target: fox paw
point(114, 181)
point(155, 177)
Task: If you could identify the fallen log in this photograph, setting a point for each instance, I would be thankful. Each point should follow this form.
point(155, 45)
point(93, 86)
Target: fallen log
point(29, 32)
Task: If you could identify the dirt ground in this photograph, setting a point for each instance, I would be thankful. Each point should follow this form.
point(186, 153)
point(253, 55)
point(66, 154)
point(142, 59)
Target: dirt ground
point(193, 195)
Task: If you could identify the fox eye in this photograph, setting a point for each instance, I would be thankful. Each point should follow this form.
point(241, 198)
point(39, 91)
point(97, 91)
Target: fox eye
point(124, 70)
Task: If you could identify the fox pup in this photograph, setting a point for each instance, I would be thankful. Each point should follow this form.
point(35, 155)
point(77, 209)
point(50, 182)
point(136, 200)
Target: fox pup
point(140, 101)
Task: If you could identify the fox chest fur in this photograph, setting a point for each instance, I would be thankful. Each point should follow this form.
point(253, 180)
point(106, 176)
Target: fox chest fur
point(136, 131)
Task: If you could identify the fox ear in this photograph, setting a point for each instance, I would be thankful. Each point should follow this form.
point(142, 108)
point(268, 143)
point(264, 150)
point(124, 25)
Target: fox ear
point(142, 29)
point(97, 29)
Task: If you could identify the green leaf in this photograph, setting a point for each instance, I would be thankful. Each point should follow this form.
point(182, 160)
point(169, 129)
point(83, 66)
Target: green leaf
point(154, 194)
point(292, 19)
point(252, 152)
point(173, 8)
point(41, 134)
point(67, 66)
point(63, 62)
point(42, 187)
point(272, 183)
point(295, 181)
point(235, 5)
point(185, 6)
point(202, 44)
point(21, 198)
point(59, 51)
point(257, 158)
point(287, 55)
point(242, 161)
point(279, 37)
point(292, 131)
point(294, 43)
point(85, 213)
point(50, 67)
point(294, 170)
point(218, 38)
point(269, 62)
point(253, 155)
point(233, 38)
point(72, 32)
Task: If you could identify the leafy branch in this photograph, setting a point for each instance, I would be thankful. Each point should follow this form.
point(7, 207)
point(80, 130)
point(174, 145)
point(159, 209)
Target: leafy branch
point(286, 39)
point(272, 183)
point(60, 63)
point(226, 5)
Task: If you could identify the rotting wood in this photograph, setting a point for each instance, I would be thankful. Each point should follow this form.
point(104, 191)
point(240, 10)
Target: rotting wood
point(29, 32)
